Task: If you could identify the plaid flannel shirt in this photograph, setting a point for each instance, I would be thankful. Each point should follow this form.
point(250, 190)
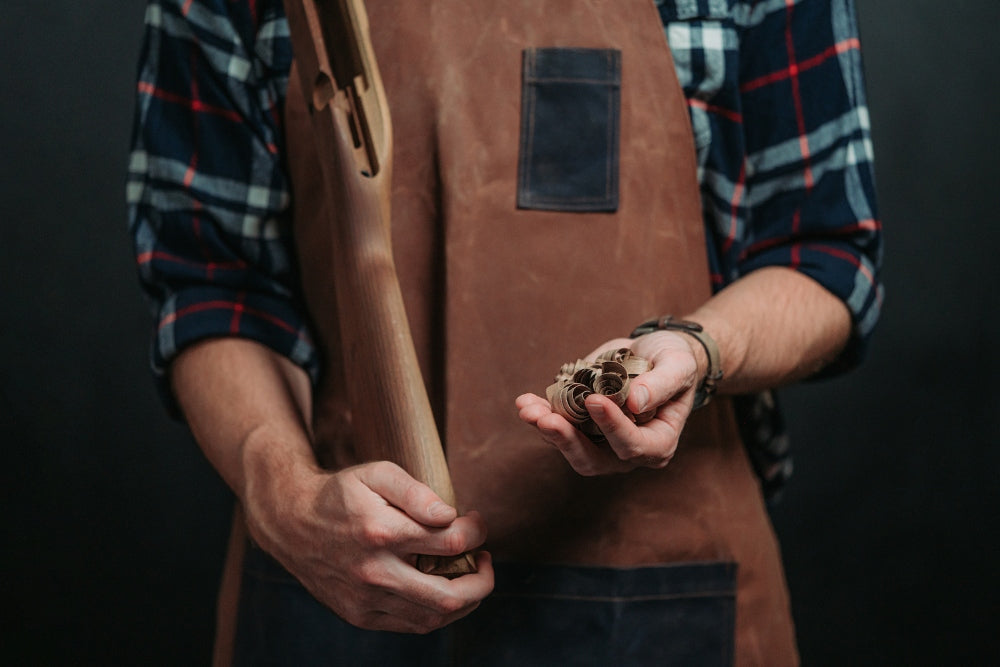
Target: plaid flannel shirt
point(777, 105)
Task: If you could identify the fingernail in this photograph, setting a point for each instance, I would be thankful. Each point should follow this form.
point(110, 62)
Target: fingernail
point(438, 509)
point(642, 397)
point(595, 408)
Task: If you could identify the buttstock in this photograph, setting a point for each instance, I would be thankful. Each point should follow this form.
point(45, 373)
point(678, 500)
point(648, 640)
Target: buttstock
point(391, 412)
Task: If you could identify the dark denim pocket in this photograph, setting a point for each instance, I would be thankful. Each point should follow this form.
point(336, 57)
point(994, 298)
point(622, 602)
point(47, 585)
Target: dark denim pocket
point(280, 623)
point(570, 101)
point(680, 614)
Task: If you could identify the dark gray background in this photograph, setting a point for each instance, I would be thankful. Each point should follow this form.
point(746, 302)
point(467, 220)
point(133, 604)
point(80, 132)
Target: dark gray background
point(114, 525)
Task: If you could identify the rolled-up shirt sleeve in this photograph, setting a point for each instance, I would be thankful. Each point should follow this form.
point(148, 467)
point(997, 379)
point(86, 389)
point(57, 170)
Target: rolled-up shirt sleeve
point(810, 191)
point(207, 191)
point(777, 101)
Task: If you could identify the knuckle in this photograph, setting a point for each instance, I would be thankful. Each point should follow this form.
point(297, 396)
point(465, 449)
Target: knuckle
point(431, 623)
point(356, 619)
point(608, 425)
point(375, 534)
point(557, 441)
point(415, 496)
point(371, 574)
point(632, 453)
point(382, 467)
point(659, 463)
point(450, 605)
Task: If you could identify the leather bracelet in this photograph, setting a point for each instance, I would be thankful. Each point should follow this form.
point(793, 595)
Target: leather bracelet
point(703, 394)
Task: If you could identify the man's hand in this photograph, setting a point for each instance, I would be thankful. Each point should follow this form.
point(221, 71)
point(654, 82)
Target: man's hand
point(352, 539)
point(667, 389)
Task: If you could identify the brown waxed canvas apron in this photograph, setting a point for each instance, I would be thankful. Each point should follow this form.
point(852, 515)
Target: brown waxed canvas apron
point(499, 297)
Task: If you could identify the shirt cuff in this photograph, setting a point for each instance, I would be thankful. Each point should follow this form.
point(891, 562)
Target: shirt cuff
point(847, 273)
point(197, 314)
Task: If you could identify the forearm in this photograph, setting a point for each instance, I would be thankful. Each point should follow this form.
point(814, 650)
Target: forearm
point(773, 326)
point(248, 409)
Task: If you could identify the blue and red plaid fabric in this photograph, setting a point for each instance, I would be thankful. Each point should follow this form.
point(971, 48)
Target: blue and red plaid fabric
point(781, 127)
point(777, 105)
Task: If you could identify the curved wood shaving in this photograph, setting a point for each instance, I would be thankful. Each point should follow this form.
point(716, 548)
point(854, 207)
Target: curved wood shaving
point(610, 374)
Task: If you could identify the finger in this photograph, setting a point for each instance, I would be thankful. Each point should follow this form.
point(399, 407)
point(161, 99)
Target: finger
point(386, 526)
point(430, 600)
point(651, 445)
point(555, 428)
point(536, 411)
point(402, 491)
point(477, 585)
point(524, 400)
point(437, 593)
point(531, 410)
point(609, 418)
point(580, 452)
point(466, 533)
point(390, 612)
point(371, 594)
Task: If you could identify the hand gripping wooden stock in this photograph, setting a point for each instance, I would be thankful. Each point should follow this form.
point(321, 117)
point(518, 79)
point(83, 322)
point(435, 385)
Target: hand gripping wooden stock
point(391, 412)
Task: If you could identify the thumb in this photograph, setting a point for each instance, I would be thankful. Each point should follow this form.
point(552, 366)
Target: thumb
point(665, 381)
point(405, 493)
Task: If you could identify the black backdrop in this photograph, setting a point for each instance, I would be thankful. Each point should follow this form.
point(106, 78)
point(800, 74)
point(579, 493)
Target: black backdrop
point(114, 526)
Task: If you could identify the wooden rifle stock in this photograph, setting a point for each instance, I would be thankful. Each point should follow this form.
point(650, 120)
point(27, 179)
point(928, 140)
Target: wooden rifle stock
point(390, 411)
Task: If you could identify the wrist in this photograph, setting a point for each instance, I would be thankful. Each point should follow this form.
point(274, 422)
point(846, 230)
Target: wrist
point(278, 480)
point(703, 348)
point(699, 353)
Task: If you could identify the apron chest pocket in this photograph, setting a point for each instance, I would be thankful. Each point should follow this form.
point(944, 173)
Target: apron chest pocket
point(570, 113)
